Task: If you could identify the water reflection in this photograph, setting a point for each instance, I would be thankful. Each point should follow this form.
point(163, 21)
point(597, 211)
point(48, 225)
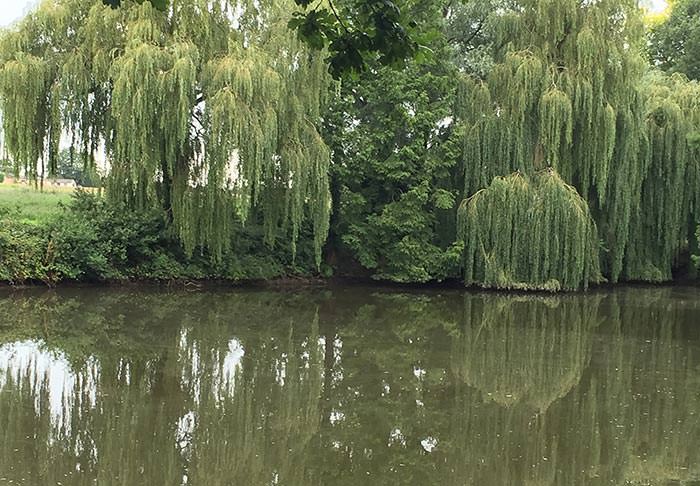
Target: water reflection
point(349, 386)
point(530, 351)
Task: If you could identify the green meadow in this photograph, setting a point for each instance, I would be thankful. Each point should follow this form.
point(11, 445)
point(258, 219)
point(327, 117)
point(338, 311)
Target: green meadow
point(32, 205)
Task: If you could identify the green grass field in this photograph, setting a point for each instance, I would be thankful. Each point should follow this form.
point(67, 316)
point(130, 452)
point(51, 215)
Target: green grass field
point(30, 204)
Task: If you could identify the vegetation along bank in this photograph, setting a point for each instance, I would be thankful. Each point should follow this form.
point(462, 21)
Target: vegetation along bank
point(527, 144)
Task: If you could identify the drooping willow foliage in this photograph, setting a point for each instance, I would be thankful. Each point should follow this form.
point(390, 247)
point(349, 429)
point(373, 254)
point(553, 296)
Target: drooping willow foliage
point(667, 214)
point(529, 233)
point(568, 92)
point(208, 110)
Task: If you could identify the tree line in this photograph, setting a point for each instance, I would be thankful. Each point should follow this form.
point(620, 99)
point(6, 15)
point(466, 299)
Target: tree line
point(531, 144)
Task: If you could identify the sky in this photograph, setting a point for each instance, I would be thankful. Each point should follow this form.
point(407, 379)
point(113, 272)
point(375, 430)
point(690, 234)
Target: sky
point(655, 5)
point(11, 10)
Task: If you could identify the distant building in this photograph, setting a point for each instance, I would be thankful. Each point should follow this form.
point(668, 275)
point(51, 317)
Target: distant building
point(70, 183)
point(10, 179)
point(60, 183)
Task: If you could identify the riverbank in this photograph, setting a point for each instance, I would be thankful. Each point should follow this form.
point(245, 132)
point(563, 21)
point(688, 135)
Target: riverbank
point(306, 283)
point(53, 239)
point(86, 239)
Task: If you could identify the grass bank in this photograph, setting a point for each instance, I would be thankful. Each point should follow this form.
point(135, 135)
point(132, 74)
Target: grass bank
point(29, 205)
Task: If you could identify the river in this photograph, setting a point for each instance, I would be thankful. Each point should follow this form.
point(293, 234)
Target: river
point(349, 386)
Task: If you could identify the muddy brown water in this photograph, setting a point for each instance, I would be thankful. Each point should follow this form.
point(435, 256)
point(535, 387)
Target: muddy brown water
point(349, 386)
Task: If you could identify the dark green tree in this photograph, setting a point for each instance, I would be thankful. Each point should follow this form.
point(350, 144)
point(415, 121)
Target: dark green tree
point(358, 33)
point(396, 173)
point(393, 170)
point(674, 44)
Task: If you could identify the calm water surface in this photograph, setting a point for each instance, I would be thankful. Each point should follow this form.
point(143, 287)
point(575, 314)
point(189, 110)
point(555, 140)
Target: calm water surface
point(349, 386)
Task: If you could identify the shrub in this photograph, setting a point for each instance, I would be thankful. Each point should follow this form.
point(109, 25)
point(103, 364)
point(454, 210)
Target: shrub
point(23, 251)
point(95, 240)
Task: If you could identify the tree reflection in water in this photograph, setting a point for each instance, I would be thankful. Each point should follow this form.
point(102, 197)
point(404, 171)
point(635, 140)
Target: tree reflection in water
point(349, 386)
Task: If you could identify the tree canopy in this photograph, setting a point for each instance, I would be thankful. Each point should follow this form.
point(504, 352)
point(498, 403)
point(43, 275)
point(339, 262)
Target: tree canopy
point(547, 87)
point(568, 92)
point(208, 109)
point(393, 166)
point(508, 232)
point(358, 32)
point(674, 43)
point(535, 148)
point(354, 32)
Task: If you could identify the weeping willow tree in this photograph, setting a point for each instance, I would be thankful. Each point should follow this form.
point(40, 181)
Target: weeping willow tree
point(529, 233)
point(667, 214)
point(567, 93)
point(207, 109)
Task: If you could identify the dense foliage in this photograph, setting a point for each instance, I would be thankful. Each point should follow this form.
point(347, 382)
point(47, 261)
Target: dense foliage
point(357, 32)
point(525, 111)
point(551, 81)
point(393, 173)
point(556, 101)
point(529, 232)
point(537, 93)
point(205, 109)
point(396, 169)
point(95, 240)
point(674, 44)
